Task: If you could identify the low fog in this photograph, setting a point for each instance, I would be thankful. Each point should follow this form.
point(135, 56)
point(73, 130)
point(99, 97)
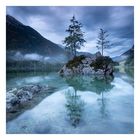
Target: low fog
point(18, 56)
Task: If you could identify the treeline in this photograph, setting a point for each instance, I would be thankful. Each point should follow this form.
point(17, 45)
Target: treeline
point(27, 66)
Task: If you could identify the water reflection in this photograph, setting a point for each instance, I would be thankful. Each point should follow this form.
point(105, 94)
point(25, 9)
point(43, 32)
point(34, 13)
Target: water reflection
point(90, 83)
point(98, 85)
point(92, 107)
point(103, 108)
point(74, 106)
point(102, 86)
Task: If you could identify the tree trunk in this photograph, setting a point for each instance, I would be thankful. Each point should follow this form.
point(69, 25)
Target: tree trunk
point(74, 50)
point(102, 50)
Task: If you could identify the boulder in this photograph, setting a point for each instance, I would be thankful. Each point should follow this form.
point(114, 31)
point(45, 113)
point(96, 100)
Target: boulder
point(99, 72)
point(24, 96)
point(87, 70)
point(11, 101)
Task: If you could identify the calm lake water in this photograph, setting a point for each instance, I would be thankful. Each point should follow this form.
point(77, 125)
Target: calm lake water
point(79, 104)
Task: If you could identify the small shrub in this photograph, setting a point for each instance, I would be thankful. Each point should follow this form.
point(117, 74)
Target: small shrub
point(75, 61)
point(101, 62)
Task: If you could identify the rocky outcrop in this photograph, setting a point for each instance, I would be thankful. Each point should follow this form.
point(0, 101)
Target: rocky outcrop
point(16, 97)
point(93, 65)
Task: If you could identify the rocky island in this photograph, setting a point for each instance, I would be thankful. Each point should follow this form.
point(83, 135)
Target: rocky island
point(89, 65)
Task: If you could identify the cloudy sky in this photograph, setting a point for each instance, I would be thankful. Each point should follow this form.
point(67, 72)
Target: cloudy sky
point(51, 22)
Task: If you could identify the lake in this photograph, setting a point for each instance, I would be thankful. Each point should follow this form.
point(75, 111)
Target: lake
point(78, 105)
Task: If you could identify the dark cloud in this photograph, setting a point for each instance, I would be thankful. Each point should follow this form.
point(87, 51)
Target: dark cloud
point(96, 15)
point(52, 21)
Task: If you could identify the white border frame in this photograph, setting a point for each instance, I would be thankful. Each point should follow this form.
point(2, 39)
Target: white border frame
point(3, 5)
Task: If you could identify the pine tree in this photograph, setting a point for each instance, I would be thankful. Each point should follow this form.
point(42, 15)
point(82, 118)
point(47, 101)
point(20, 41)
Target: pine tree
point(75, 39)
point(102, 41)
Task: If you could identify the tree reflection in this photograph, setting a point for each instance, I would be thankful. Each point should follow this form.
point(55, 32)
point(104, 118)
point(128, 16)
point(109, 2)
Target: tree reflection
point(102, 85)
point(90, 83)
point(98, 85)
point(74, 106)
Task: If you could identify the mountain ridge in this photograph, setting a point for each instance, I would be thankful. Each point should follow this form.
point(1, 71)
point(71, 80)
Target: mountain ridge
point(27, 40)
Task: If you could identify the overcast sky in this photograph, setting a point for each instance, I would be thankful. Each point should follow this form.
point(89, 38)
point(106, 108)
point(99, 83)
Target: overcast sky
point(51, 22)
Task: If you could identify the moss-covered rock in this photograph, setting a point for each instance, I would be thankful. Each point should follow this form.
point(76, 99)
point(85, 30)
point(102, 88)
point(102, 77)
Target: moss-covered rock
point(101, 62)
point(75, 61)
point(96, 65)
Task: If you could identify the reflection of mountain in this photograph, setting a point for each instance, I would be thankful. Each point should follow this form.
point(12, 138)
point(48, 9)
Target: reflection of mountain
point(90, 83)
point(74, 106)
point(23, 43)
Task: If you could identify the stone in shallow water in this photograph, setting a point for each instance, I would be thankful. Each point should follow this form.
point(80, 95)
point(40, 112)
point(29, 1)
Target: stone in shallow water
point(11, 101)
point(24, 96)
point(16, 97)
point(35, 89)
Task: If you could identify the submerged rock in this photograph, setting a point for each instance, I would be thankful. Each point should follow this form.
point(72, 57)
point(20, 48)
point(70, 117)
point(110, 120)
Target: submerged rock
point(16, 97)
point(24, 96)
point(92, 65)
point(11, 101)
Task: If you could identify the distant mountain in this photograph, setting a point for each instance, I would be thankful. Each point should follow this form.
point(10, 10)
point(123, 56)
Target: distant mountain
point(130, 52)
point(61, 46)
point(26, 49)
point(127, 58)
point(26, 40)
point(119, 58)
point(130, 58)
point(87, 54)
point(77, 53)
